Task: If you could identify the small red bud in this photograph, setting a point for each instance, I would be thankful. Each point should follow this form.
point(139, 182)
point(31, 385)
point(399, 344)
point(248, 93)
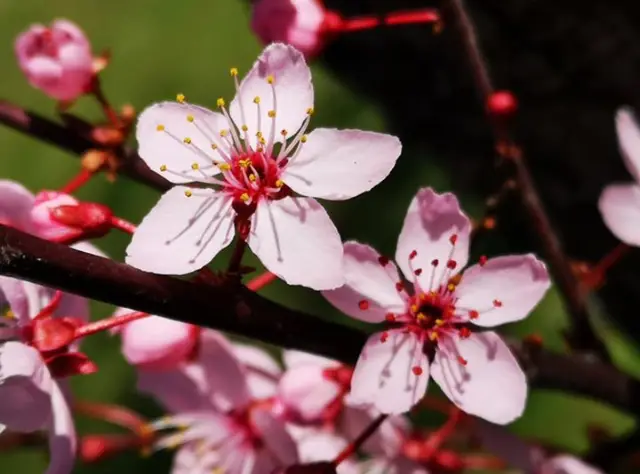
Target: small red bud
point(502, 104)
point(91, 218)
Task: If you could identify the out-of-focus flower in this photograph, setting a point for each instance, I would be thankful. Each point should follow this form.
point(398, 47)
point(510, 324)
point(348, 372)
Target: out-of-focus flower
point(429, 332)
point(254, 158)
point(56, 59)
point(620, 203)
point(221, 424)
point(300, 23)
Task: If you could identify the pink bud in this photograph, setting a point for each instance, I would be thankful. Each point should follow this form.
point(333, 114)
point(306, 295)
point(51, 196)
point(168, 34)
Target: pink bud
point(56, 60)
point(299, 23)
point(157, 343)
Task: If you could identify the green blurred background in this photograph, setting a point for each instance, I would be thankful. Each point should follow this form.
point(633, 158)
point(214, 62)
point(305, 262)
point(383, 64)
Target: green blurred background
point(162, 48)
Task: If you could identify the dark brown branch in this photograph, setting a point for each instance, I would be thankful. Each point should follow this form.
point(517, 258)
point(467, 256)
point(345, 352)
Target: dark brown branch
point(233, 308)
point(582, 336)
point(65, 138)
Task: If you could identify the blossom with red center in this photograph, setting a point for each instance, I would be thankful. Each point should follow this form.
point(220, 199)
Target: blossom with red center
point(620, 203)
point(431, 328)
point(56, 59)
point(249, 166)
point(221, 423)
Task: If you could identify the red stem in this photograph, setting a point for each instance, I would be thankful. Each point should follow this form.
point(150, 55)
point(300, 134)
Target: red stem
point(77, 181)
point(609, 260)
point(109, 112)
point(123, 225)
point(115, 414)
point(392, 19)
point(359, 441)
point(108, 323)
point(261, 281)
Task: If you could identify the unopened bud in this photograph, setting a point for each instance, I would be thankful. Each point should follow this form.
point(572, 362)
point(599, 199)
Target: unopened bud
point(93, 219)
point(502, 104)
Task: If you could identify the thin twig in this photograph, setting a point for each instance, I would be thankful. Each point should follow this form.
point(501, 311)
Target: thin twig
point(229, 306)
point(582, 336)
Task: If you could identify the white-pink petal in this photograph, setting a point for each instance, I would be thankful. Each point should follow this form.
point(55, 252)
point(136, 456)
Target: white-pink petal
point(370, 291)
point(431, 222)
point(341, 164)
point(62, 435)
point(179, 390)
point(262, 371)
point(16, 203)
point(565, 464)
point(291, 87)
point(25, 388)
point(629, 140)
point(168, 137)
point(504, 289)
point(275, 436)
point(292, 359)
point(384, 375)
point(296, 239)
point(619, 206)
point(183, 232)
point(491, 385)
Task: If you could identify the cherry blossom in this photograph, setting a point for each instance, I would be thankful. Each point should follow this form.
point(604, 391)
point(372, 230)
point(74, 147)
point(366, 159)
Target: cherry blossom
point(254, 171)
point(432, 328)
point(56, 59)
point(221, 424)
point(620, 203)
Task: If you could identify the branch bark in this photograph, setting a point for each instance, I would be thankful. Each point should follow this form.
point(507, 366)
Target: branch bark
point(231, 307)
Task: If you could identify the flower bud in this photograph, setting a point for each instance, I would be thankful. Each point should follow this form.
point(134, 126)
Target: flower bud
point(299, 23)
point(56, 60)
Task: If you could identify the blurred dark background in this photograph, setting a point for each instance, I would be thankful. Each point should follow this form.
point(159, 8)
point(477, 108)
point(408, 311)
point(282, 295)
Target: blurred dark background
point(570, 63)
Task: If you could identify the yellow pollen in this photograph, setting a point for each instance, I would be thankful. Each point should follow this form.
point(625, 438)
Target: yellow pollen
point(439, 322)
point(224, 166)
point(270, 79)
point(9, 314)
point(279, 183)
point(256, 100)
point(262, 141)
point(271, 114)
point(421, 316)
point(244, 197)
point(414, 308)
point(188, 193)
point(180, 98)
point(233, 71)
point(163, 167)
point(303, 139)
point(244, 163)
point(195, 166)
point(433, 336)
point(220, 102)
point(310, 111)
point(451, 287)
point(284, 133)
point(259, 134)
point(187, 140)
point(252, 177)
point(223, 133)
point(190, 118)
point(244, 128)
point(160, 128)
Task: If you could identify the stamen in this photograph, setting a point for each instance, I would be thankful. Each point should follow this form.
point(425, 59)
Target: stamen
point(482, 260)
point(497, 303)
point(384, 336)
point(363, 305)
point(236, 142)
point(188, 193)
point(453, 239)
point(384, 261)
point(180, 98)
point(417, 371)
point(163, 167)
point(272, 115)
point(473, 314)
point(160, 128)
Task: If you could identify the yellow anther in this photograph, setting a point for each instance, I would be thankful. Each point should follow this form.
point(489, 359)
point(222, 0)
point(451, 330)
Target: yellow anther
point(244, 197)
point(271, 114)
point(283, 132)
point(259, 134)
point(187, 140)
point(214, 146)
point(188, 193)
point(233, 71)
point(244, 128)
point(421, 316)
point(439, 322)
point(180, 98)
point(190, 118)
point(433, 336)
point(220, 102)
point(303, 139)
point(270, 79)
point(163, 167)
point(451, 287)
point(160, 128)
point(9, 314)
point(279, 183)
point(244, 163)
point(252, 177)
point(310, 111)
point(195, 166)
point(414, 308)
point(262, 141)
point(256, 100)
point(223, 133)
point(224, 166)
point(217, 470)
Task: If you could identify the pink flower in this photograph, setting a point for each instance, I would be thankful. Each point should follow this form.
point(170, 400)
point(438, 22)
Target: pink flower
point(31, 398)
point(56, 60)
point(620, 203)
point(254, 160)
point(428, 329)
point(300, 23)
point(224, 426)
point(156, 343)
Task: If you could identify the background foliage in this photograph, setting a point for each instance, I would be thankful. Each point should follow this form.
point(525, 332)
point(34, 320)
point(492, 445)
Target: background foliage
point(162, 48)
